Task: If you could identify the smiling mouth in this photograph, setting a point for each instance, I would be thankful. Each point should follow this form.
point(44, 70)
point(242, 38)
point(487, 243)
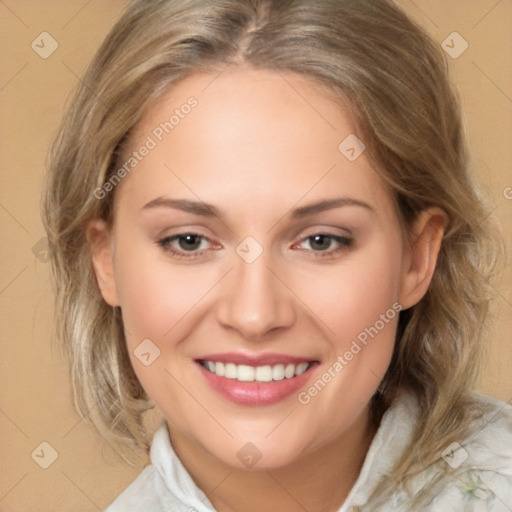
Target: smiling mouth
point(246, 373)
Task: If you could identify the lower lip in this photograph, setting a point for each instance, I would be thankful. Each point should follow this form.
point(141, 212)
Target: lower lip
point(256, 393)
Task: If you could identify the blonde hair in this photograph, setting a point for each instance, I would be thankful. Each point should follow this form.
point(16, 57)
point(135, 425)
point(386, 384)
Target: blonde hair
point(395, 78)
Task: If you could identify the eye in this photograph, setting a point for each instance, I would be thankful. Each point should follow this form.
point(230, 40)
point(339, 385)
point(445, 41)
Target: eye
point(185, 245)
point(194, 245)
point(326, 243)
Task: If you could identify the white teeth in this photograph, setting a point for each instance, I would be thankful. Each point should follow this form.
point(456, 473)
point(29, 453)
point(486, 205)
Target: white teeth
point(245, 373)
point(230, 371)
point(289, 371)
point(301, 368)
point(278, 372)
point(265, 373)
point(219, 369)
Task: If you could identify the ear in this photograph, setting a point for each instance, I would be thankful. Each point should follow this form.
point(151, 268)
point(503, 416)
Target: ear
point(100, 239)
point(421, 253)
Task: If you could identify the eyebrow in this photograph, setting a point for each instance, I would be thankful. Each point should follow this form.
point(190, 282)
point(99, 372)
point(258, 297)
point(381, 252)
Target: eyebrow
point(207, 210)
point(186, 205)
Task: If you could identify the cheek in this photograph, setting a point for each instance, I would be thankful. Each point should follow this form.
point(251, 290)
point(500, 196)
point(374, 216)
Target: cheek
point(157, 300)
point(358, 306)
point(360, 312)
point(154, 295)
point(366, 316)
point(352, 297)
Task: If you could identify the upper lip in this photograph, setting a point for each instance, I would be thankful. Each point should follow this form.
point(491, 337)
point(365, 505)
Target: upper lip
point(270, 359)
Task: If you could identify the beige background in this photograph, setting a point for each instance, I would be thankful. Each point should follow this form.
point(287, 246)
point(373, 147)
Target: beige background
point(35, 404)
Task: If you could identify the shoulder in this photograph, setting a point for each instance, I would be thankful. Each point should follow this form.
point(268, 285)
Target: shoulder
point(148, 492)
point(488, 444)
point(139, 495)
point(163, 485)
point(470, 474)
point(478, 468)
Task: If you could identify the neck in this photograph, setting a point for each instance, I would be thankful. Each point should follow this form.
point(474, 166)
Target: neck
point(319, 480)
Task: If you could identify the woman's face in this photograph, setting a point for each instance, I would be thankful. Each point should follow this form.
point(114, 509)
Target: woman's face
point(249, 242)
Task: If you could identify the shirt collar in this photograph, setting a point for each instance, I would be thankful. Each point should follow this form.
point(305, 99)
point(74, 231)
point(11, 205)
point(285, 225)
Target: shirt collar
point(391, 439)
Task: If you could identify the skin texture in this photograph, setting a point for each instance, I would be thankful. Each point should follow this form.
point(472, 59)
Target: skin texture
point(255, 150)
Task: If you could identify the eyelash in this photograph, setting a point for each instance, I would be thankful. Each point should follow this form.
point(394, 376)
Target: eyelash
point(165, 243)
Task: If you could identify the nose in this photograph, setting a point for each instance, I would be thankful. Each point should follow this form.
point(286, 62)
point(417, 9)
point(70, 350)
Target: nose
point(255, 301)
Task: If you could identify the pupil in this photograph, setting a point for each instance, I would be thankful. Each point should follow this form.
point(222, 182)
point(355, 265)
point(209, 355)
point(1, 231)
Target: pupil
point(321, 242)
point(189, 242)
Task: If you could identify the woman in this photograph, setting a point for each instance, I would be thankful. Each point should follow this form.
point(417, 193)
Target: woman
point(262, 222)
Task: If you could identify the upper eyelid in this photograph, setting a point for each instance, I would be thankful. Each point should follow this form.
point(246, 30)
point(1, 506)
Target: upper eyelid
point(174, 237)
point(316, 232)
point(345, 232)
point(336, 238)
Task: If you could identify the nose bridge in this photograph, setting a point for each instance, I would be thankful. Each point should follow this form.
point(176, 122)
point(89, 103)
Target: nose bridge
point(255, 301)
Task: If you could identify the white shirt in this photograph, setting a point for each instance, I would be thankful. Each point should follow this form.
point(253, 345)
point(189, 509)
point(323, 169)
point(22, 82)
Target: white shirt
point(485, 484)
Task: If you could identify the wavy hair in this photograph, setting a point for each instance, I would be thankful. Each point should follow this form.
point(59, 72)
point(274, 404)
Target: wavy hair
point(395, 79)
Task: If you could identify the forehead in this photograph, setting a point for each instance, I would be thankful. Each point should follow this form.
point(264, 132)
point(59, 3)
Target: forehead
point(249, 136)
